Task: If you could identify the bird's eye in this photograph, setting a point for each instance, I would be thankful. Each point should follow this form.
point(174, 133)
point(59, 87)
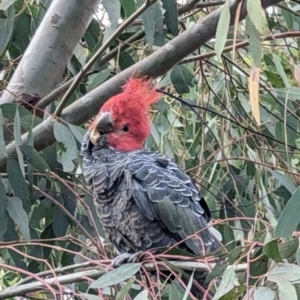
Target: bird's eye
point(125, 128)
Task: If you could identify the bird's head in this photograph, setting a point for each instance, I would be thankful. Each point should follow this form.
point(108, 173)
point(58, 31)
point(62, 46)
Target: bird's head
point(123, 121)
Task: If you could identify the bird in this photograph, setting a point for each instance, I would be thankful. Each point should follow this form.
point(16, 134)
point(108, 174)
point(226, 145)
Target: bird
point(143, 199)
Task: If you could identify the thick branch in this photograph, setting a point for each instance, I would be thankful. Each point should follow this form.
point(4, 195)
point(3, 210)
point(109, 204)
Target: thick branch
point(83, 275)
point(154, 65)
point(44, 62)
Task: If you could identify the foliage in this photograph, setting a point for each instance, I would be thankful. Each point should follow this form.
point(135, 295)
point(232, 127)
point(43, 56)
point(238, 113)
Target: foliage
point(236, 132)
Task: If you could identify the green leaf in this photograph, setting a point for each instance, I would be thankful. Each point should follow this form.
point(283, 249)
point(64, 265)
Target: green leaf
point(149, 20)
point(188, 288)
point(176, 291)
point(124, 290)
point(171, 16)
point(227, 283)
point(97, 79)
point(257, 16)
point(271, 250)
point(5, 4)
point(125, 60)
point(288, 249)
point(116, 276)
point(142, 296)
point(234, 293)
point(129, 7)
point(77, 131)
point(286, 290)
point(9, 110)
point(60, 223)
point(17, 182)
point(285, 180)
point(281, 70)
point(3, 205)
point(6, 28)
point(63, 135)
point(17, 213)
point(289, 218)
point(113, 9)
point(181, 79)
point(222, 29)
point(286, 272)
point(18, 140)
point(22, 31)
point(254, 42)
point(287, 15)
point(264, 293)
point(34, 158)
point(2, 143)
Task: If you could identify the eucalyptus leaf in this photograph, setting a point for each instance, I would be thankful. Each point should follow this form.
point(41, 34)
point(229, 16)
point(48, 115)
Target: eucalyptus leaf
point(17, 213)
point(289, 218)
point(171, 16)
point(257, 16)
point(6, 28)
point(227, 283)
point(115, 276)
point(222, 29)
point(63, 135)
point(265, 293)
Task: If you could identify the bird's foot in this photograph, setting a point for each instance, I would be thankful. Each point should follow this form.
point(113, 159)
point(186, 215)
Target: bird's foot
point(126, 258)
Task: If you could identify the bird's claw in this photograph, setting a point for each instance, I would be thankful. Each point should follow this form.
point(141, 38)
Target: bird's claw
point(126, 258)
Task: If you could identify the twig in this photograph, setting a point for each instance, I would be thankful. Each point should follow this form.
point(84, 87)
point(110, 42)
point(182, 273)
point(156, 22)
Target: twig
point(98, 54)
point(96, 273)
point(105, 59)
point(239, 45)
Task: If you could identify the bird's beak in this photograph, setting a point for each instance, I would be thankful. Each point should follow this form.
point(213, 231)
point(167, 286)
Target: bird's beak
point(104, 124)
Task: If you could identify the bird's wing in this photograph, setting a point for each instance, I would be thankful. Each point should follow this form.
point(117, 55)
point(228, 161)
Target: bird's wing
point(164, 192)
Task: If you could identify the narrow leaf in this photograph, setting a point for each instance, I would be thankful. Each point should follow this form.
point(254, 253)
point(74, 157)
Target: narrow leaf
point(34, 158)
point(2, 143)
point(142, 296)
point(253, 83)
point(17, 213)
point(113, 9)
point(285, 181)
point(5, 4)
point(18, 140)
point(17, 182)
point(222, 29)
point(284, 271)
point(271, 250)
point(264, 293)
point(227, 283)
point(116, 276)
point(254, 42)
point(148, 21)
point(6, 28)
point(63, 135)
point(289, 219)
point(3, 204)
point(171, 16)
point(124, 290)
point(257, 16)
point(286, 290)
point(181, 79)
point(176, 291)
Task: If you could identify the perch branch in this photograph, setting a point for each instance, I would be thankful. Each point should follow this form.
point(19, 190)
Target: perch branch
point(96, 273)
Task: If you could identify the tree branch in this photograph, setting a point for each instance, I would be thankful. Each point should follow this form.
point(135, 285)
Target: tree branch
point(44, 62)
point(98, 54)
point(154, 65)
point(96, 273)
